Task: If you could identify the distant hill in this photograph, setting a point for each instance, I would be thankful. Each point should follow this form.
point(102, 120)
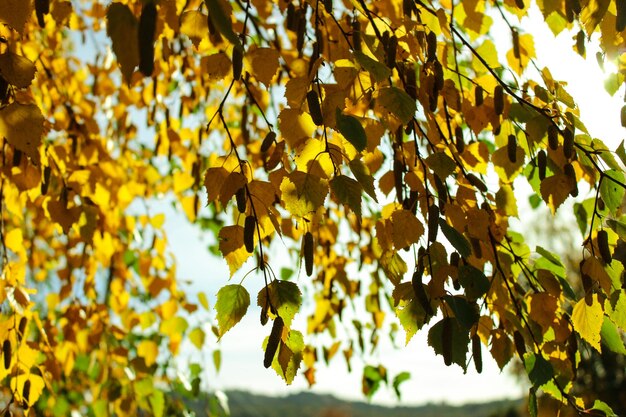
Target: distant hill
point(306, 404)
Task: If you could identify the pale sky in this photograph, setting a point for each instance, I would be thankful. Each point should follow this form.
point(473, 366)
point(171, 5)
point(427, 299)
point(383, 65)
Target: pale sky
point(431, 381)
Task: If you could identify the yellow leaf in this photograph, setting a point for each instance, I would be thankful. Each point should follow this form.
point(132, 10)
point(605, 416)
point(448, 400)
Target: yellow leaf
point(194, 24)
point(15, 13)
point(232, 247)
point(202, 299)
point(168, 309)
point(526, 51)
point(264, 63)
point(587, 321)
point(28, 357)
point(406, 228)
point(555, 190)
point(295, 126)
point(197, 336)
point(295, 91)
point(148, 350)
point(158, 221)
point(16, 69)
point(216, 66)
point(543, 307)
point(593, 267)
point(22, 126)
point(14, 240)
point(303, 193)
point(34, 392)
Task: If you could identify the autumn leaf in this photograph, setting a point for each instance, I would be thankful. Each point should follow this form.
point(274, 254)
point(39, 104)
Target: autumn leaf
point(16, 69)
point(587, 321)
point(284, 296)
point(555, 190)
point(122, 27)
point(287, 361)
point(406, 229)
point(398, 103)
point(194, 25)
point(22, 126)
point(232, 247)
point(231, 305)
point(303, 193)
point(264, 64)
point(15, 13)
point(348, 192)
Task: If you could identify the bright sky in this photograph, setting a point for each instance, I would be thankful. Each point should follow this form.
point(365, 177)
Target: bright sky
point(431, 380)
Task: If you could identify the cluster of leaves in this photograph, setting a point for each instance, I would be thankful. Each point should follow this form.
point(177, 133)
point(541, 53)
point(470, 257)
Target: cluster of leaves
point(349, 131)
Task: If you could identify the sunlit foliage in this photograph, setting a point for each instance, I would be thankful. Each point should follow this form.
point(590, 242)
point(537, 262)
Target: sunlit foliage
point(381, 143)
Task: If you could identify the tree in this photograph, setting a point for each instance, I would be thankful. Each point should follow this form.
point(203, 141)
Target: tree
point(348, 131)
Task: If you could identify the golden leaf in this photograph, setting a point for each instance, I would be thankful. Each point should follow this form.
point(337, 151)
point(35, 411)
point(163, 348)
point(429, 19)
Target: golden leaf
point(406, 229)
point(16, 69)
point(122, 27)
point(22, 126)
point(194, 24)
point(232, 247)
point(264, 63)
point(555, 190)
point(216, 66)
point(15, 13)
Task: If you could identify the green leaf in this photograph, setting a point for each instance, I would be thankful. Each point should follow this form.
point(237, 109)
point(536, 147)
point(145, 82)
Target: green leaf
point(122, 29)
point(398, 103)
point(393, 266)
point(398, 380)
point(539, 370)
point(286, 273)
point(581, 217)
point(621, 152)
point(611, 337)
point(456, 239)
point(231, 305)
point(611, 192)
point(378, 71)
point(605, 153)
point(217, 359)
point(221, 20)
point(204, 302)
point(465, 312)
point(441, 164)
point(412, 317)
point(197, 336)
point(587, 321)
point(285, 297)
point(351, 129)
point(474, 281)
point(604, 407)
point(618, 227)
point(157, 403)
point(617, 310)
point(348, 192)
point(289, 356)
point(373, 377)
point(363, 176)
point(460, 340)
point(532, 402)
point(549, 255)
